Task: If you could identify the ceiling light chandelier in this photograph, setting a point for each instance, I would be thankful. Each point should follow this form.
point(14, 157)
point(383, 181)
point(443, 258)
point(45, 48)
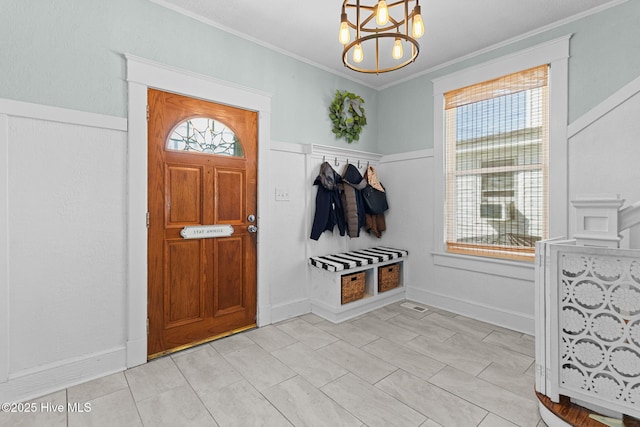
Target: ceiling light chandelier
point(385, 30)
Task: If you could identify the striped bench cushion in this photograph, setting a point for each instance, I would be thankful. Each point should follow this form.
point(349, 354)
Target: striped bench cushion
point(353, 259)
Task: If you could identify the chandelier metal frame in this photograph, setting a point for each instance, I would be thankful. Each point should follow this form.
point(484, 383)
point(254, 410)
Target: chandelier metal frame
point(367, 31)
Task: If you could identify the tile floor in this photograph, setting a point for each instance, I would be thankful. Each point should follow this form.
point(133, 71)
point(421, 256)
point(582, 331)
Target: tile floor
point(391, 367)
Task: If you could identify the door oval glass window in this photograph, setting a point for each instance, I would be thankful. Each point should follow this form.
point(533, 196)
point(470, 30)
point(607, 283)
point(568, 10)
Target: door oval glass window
point(204, 135)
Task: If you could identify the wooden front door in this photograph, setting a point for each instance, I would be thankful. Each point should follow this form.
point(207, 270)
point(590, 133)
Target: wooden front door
point(202, 173)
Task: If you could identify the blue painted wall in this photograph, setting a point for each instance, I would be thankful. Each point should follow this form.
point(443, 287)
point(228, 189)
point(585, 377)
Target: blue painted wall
point(605, 56)
point(70, 54)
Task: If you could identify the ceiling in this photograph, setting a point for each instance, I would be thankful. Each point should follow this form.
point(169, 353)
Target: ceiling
point(454, 28)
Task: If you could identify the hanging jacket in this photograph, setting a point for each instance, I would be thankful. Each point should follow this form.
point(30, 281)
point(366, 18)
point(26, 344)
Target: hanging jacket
point(329, 212)
point(352, 201)
point(374, 223)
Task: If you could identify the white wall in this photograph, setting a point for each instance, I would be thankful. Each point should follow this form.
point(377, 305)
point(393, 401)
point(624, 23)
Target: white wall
point(64, 213)
point(603, 158)
point(65, 233)
point(408, 180)
point(293, 168)
point(287, 229)
point(475, 292)
point(605, 153)
point(63, 204)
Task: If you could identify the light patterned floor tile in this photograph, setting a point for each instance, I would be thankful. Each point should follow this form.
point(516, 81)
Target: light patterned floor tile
point(270, 338)
point(443, 407)
point(258, 367)
point(97, 388)
point(383, 313)
point(153, 378)
point(308, 334)
point(178, 406)
point(348, 332)
point(316, 369)
point(508, 379)
point(500, 355)
point(524, 344)
point(311, 318)
point(508, 405)
point(475, 323)
point(115, 409)
point(241, 405)
point(459, 324)
point(404, 358)
point(385, 329)
point(232, 343)
point(370, 404)
point(305, 405)
point(449, 354)
point(363, 364)
point(386, 368)
point(37, 412)
point(495, 421)
point(206, 370)
point(422, 327)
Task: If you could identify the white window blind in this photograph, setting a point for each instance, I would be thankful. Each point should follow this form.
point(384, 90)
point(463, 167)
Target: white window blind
point(496, 135)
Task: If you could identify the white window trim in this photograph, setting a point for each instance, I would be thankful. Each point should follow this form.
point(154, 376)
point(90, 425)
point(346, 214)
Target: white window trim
point(556, 53)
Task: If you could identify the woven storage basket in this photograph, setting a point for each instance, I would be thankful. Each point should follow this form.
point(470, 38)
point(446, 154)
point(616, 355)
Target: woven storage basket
point(352, 287)
point(388, 277)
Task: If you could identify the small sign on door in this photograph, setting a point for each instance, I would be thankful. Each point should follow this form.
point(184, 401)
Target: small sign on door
point(206, 231)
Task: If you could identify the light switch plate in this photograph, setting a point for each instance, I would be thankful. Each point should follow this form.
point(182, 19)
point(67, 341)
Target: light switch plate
point(282, 194)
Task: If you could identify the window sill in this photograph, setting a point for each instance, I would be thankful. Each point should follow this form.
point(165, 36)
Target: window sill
point(521, 270)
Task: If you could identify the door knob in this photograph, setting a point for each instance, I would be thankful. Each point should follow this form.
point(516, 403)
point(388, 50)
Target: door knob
point(252, 228)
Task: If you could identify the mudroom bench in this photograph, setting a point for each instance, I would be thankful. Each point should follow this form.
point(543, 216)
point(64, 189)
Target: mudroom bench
point(348, 284)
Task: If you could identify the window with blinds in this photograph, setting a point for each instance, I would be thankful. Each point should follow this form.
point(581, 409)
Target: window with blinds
point(496, 135)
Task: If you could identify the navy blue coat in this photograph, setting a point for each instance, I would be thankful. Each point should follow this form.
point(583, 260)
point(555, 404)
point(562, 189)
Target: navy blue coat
point(329, 212)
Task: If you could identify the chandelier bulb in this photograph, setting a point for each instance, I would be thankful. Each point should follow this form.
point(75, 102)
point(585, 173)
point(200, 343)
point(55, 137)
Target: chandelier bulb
point(382, 14)
point(344, 36)
point(417, 29)
point(358, 55)
point(397, 51)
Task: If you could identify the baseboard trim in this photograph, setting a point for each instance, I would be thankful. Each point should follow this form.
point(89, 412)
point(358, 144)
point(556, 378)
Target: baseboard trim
point(290, 309)
point(136, 352)
point(357, 308)
point(34, 383)
point(496, 316)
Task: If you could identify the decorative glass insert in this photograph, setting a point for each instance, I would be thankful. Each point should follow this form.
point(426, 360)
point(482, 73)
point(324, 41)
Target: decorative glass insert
point(205, 135)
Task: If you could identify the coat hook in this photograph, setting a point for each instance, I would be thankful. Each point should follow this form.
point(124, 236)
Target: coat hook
point(367, 165)
point(335, 162)
point(358, 164)
point(347, 161)
point(323, 159)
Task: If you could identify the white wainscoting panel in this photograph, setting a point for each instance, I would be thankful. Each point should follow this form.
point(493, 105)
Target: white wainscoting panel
point(63, 216)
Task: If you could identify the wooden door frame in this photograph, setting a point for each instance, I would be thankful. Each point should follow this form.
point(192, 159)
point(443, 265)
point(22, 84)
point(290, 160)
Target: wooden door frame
point(143, 74)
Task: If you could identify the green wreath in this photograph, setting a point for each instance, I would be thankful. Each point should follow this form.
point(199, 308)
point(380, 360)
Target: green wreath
point(347, 114)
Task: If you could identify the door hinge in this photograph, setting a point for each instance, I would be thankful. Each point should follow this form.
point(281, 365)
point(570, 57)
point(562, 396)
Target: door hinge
point(147, 219)
point(147, 112)
point(147, 326)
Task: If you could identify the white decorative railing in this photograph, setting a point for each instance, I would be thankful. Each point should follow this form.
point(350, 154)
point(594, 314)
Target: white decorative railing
point(588, 313)
point(629, 216)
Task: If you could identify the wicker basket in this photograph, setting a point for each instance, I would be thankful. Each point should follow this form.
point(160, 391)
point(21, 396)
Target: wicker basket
point(388, 277)
point(352, 287)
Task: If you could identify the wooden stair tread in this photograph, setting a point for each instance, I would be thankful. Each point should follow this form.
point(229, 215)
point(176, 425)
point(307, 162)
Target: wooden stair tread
point(577, 415)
